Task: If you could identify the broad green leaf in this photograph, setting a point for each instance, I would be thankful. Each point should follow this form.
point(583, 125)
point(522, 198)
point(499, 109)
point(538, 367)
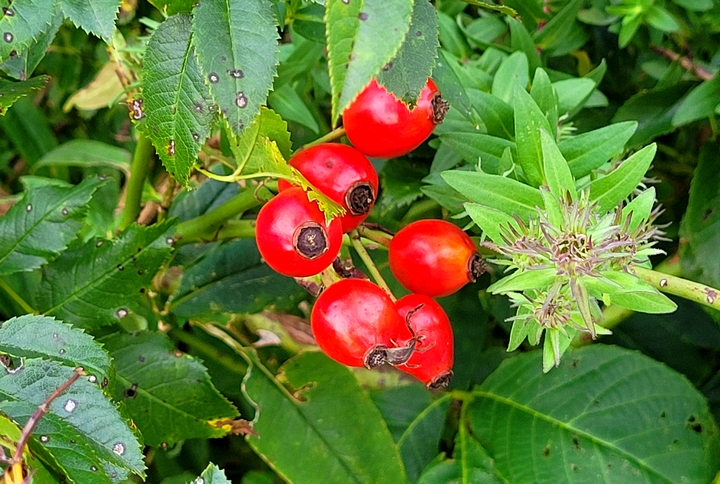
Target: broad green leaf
point(698, 5)
point(546, 98)
point(400, 406)
point(484, 30)
point(639, 208)
point(95, 17)
point(557, 173)
point(208, 196)
point(420, 443)
point(661, 19)
point(236, 47)
point(407, 73)
point(22, 66)
point(479, 148)
point(489, 220)
point(447, 197)
point(286, 101)
point(529, 119)
point(512, 72)
point(42, 224)
point(319, 433)
point(167, 393)
point(556, 31)
point(572, 94)
point(82, 408)
point(589, 151)
point(12, 91)
point(103, 281)
point(496, 114)
point(637, 294)
point(630, 25)
point(605, 415)
point(505, 194)
point(22, 22)
point(28, 129)
point(177, 104)
point(250, 148)
point(213, 475)
point(700, 102)
point(520, 281)
point(87, 153)
point(42, 337)
point(700, 226)
point(231, 278)
point(362, 36)
point(623, 180)
point(309, 22)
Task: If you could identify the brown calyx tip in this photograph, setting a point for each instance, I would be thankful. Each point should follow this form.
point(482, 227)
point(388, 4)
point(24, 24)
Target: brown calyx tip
point(375, 356)
point(310, 240)
point(442, 380)
point(440, 108)
point(360, 198)
point(476, 267)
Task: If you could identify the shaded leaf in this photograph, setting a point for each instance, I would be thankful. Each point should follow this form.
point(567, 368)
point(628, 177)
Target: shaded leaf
point(86, 153)
point(401, 182)
point(171, 7)
point(101, 92)
point(22, 65)
point(12, 91)
point(700, 102)
point(290, 105)
point(93, 16)
point(27, 20)
point(167, 393)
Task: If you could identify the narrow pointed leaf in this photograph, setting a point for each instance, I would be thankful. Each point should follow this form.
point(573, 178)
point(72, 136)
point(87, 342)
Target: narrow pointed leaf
point(162, 385)
point(639, 208)
point(513, 71)
point(557, 173)
point(95, 17)
point(620, 183)
point(479, 148)
point(362, 36)
point(495, 113)
point(42, 224)
point(489, 220)
point(179, 109)
point(546, 98)
point(524, 280)
point(320, 433)
point(104, 280)
point(529, 119)
point(236, 45)
point(22, 23)
point(589, 151)
point(700, 102)
point(12, 91)
point(406, 74)
point(638, 295)
point(39, 336)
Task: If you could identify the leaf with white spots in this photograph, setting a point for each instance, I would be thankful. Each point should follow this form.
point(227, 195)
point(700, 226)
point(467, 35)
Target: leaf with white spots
point(167, 393)
point(103, 281)
point(177, 103)
point(22, 22)
point(96, 17)
point(236, 45)
point(211, 475)
point(42, 224)
point(362, 36)
point(82, 409)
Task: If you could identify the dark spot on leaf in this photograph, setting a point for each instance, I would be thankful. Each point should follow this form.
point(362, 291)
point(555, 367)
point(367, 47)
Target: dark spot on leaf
point(141, 359)
point(173, 109)
point(13, 53)
point(99, 243)
point(104, 383)
point(575, 442)
point(694, 425)
point(140, 272)
point(61, 352)
point(136, 108)
point(8, 12)
point(546, 452)
point(28, 207)
point(706, 214)
point(139, 249)
point(8, 37)
point(93, 468)
point(198, 107)
point(387, 66)
point(213, 78)
point(131, 392)
point(142, 290)
point(574, 467)
point(195, 137)
point(346, 2)
point(120, 267)
point(363, 16)
point(121, 313)
point(72, 441)
point(171, 148)
point(418, 33)
point(241, 100)
point(663, 414)
point(596, 403)
point(236, 73)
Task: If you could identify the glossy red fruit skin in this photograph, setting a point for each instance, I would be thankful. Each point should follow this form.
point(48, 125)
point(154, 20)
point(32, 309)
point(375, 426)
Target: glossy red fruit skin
point(335, 169)
point(380, 125)
point(432, 360)
point(353, 316)
point(434, 258)
point(276, 229)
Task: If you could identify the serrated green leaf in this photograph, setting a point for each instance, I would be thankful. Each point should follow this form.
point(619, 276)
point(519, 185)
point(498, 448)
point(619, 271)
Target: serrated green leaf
point(700, 102)
point(620, 183)
point(159, 384)
point(42, 224)
point(22, 65)
point(299, 434)
point(589, 151)
point(22, 22)
point(489, 220)
point(83, 407)
point(362, 37)
point(529, 119)
point(623, 418)
point(512, 72)
point(77, 285)
point(505, 194)
point(42, 337)
point(213, 475)
point(479, 148)
point(250, 149)
point(178, 106)
point(406, 74)
point(171, 7)
point(95, 17)
point(557, 173)
point(12, 91)
point(524, 280)
point(236, 46)
point(231, 278)
point(87, 153)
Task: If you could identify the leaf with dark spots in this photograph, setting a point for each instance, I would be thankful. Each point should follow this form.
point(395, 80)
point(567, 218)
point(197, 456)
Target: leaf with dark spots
point(29, 19)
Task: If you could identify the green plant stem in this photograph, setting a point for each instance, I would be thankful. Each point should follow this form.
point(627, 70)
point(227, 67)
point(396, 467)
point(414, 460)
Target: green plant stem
point(138, 173)
point(369, 264)
point(677, 286)
point(209, 350)
point(205, 226)
point(333, 135)
point(16, 297)
point(375, 236)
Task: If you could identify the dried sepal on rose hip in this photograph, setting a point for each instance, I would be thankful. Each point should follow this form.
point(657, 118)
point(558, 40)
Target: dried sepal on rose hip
point(342, 174)
point(380, 125)
point(355, 323)
point(293, 237)
point(434, 257)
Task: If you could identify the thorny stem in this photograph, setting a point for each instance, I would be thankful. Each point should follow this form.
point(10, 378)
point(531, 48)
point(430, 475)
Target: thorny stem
point(336, 133)
point(369, 264)
point(16, 297)
point(684, 62)
point(134, 188)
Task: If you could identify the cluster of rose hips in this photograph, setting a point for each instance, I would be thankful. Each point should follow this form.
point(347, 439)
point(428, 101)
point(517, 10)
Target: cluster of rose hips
point(354, 321)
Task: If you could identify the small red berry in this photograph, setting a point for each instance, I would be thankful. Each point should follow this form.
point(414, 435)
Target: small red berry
point(380, 125)
point(354, 322)
point(292, 235)
point(434, 257)
point(432, 360)
point(341, 173)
